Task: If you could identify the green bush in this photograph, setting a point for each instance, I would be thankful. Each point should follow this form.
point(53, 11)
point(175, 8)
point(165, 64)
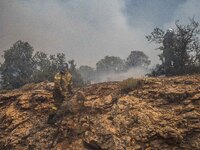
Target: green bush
point(131, 84)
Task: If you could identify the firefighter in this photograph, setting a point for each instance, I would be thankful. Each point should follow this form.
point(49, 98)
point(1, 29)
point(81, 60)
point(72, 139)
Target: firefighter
point(62, 93)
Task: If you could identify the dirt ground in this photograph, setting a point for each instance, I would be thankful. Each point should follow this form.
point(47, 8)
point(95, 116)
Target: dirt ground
point(163, 114)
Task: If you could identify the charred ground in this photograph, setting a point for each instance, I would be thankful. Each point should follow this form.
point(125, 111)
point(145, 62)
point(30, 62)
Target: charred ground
point(163, 114)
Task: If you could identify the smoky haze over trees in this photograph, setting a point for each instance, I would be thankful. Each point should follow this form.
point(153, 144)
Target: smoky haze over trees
point(95, 27)
point(22, 65)
point(87, 73)
point(180, 54)
point(137, 58)
point(111, 66)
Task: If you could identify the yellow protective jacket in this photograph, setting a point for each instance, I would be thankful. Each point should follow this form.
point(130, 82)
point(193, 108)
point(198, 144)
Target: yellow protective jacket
point(63, 84)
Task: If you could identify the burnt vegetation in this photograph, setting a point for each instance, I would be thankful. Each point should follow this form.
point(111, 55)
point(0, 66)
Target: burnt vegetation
point(162, 113)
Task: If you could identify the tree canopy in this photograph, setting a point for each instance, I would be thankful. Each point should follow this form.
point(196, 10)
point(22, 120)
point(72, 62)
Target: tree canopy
point(110, 64)
point(180, 48)
point(137, 59)
point(45, 67)
point(76, 76)
point(87, 73)
point(18, 66)
point(21, 66)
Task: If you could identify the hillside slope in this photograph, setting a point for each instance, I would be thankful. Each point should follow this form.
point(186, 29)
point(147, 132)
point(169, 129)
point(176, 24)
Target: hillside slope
point(163, 114)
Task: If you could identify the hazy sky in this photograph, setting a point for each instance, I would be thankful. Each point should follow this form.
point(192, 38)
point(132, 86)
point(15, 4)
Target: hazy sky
point(88, 30)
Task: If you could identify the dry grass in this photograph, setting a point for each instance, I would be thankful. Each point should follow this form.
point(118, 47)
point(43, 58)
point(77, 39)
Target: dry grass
point(131, 84)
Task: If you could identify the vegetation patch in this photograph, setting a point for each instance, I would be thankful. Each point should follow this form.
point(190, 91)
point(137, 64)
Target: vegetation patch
point(131, 84)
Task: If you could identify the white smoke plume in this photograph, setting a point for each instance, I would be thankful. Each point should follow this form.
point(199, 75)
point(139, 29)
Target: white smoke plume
point(88, 30)
point(135, 72)
point(85, 31)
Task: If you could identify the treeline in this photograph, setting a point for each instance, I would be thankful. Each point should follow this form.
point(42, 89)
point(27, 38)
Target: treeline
point(180, 49)
point(113, 65)
point(22, 65)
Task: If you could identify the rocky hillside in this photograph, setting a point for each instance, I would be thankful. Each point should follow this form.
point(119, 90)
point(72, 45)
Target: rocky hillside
point(163, 114)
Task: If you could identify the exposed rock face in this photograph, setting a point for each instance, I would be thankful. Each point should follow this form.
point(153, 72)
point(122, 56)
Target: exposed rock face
point(163, 114)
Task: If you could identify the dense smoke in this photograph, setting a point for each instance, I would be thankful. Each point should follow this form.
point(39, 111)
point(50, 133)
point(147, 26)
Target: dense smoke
point(86, 31)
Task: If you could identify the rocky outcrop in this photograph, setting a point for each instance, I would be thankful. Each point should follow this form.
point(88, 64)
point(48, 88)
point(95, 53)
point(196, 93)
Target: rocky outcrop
point(163, 114)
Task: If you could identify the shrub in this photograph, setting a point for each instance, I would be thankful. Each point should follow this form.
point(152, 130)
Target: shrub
point(131, 84)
